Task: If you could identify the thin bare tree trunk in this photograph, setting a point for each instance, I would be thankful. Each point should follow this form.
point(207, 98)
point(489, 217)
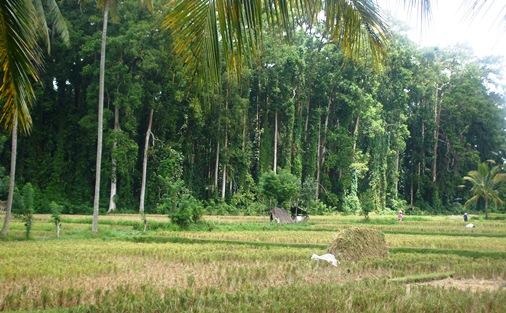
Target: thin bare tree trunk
point(396, 173)
point(355, 134)
point(98, 168)
point(308, 102)
point(436, 136)
point(225, 145)
point(412, 192)
point(12, 178)
point(145, 162)
point(244, 125)
point(274, 168)
point(114, 174)
point(217, 163)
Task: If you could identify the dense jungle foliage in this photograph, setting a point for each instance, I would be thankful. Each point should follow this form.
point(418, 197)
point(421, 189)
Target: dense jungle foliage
point(302, 126)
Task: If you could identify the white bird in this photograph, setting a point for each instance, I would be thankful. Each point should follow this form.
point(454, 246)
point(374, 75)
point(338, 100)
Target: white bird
point(470, 225)
point(325, 257)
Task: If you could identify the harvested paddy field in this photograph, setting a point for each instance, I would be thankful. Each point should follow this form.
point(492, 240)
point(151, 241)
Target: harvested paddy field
point(247, 264)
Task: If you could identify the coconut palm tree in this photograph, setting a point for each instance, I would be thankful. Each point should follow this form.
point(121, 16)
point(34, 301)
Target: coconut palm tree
point(484, 183)
point(22, 23)
point(109, 6)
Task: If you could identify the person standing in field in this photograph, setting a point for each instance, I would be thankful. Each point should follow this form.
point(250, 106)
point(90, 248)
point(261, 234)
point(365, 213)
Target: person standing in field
point(465, 217)
point(399, 216)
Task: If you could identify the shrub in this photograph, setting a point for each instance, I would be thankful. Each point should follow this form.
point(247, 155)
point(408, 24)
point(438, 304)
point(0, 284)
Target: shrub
point(351, 204)
point(188, 210)
point(280, 188)
point(220, 207)
point(367, 203)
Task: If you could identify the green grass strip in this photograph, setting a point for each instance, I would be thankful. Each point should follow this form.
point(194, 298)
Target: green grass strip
point(276, 227)
point(160, 239)
point(475, 254)
point(422, 278)
point(422, 233)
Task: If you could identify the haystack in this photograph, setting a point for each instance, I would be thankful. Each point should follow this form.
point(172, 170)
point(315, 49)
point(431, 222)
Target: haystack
point(354, 244)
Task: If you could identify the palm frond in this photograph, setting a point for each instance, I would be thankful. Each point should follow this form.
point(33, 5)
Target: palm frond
point(474, 9)
point(55, 17)
point(471, 200)
point(205, 32)
point(41, 24)
point(21, 60)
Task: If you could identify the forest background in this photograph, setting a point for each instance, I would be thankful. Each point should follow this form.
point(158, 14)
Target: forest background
point(303, 126)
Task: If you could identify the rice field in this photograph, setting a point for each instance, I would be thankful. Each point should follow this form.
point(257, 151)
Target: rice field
point(247, 264)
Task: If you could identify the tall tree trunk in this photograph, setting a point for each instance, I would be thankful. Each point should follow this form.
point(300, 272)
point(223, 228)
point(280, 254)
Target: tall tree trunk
point(308, 104)
point(318, 158)
point(225, 146)
point(98, 168)
point(322, 139)
point(258, 135)
point(396, 190)
point(274, 167)
point(436, 137)
point(217, 163)
point(422, 150)
point(145, 162)
point(355, 134)
point(437, 119)
point(244, 128)
point(12, 178)
point(412, 192)
point(114, 174)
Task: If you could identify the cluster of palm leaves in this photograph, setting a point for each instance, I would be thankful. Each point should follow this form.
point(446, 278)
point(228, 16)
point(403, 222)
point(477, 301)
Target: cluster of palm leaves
point(484, 182)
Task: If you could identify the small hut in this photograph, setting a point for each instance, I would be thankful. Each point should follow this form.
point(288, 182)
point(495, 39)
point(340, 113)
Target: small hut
point(280, 216)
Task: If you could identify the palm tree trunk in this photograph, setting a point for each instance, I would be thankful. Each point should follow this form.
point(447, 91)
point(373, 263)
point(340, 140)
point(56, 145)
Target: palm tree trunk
point(94, 226)
point(145, 162)
point(486, 207)
point(114, 174)
point(12, 177)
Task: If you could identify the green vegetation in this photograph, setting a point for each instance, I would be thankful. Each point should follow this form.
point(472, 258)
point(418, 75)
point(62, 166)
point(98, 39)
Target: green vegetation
point(337, 135)
point(484, 183)
point(246, 263)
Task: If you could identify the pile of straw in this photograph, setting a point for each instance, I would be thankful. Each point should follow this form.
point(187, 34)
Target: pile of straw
point(354, 244)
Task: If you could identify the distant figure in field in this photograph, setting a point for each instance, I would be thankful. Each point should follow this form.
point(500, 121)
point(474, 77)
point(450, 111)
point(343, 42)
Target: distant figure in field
point(465, 217)
point(399, 216)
